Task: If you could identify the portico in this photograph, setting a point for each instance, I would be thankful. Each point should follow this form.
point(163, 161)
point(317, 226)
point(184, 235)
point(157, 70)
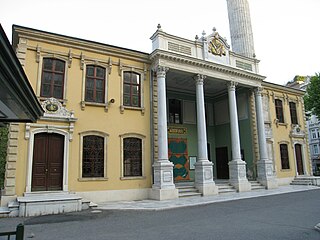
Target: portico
point(196, 94)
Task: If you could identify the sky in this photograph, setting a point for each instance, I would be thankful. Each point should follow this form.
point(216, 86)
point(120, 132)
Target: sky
point(286, 32)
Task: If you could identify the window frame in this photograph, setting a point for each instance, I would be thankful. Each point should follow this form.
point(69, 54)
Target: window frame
point(313, 134)
point(293, 113)
point(283, 147)
point(315, 149)
point(279, 110)
point(142, 73)
point(95, 78)
point(105, 138)
point(67, 64)
point(131, 86)
point(52, 72)
point(142, 138)
point(172, 119)
point(98, 63)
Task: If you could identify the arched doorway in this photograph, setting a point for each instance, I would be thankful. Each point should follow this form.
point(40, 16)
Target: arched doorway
point(299, 160)
point(47, 164)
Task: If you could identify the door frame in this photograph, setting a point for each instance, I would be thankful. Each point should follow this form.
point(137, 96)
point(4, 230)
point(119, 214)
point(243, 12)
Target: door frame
point(305, 172)
point(65, 155)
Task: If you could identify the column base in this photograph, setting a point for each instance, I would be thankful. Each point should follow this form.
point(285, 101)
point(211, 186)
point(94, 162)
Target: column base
point(238, 175)
point(163, 194)
point(163, 175)
point(265, 174)
point(204, 178)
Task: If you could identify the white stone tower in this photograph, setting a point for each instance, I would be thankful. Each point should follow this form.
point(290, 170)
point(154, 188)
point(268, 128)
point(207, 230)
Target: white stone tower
point(240, 28)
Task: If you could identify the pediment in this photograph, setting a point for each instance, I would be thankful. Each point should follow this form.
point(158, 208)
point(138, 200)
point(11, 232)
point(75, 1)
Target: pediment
point(53, 109)
point(217, 45)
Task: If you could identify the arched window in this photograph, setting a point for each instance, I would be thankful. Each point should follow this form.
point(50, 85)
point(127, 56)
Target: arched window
point(52, 80)
point(95, 84)
point(131, 89)
point(132, 157)
point(93, 156)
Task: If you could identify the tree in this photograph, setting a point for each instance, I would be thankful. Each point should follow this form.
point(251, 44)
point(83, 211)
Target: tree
point(312, 96)
point(3, 153)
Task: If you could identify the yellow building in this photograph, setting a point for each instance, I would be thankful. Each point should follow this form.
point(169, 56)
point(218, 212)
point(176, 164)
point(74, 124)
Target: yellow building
point(190, 118)
point(125, 125)
point(285, 126)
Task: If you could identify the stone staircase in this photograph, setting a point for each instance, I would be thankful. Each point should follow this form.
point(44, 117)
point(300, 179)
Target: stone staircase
point(187, 189)
point(255, 185)
point(224, 187)
point(306, 180)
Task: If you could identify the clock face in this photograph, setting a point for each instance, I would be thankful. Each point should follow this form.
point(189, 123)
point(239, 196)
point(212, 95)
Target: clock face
point(51, 107)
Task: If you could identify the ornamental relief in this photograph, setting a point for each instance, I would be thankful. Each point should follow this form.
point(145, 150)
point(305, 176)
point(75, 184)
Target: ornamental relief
point(54, 109)
point(216, 45)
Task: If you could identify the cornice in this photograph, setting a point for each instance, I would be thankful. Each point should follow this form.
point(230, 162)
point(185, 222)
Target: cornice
point(275, 87)
point(80, 44)
point(229, 70)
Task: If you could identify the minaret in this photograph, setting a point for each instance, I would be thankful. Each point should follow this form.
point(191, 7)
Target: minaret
point(240, 27)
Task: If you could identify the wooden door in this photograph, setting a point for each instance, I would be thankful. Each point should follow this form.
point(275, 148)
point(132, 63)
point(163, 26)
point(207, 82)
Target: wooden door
point(178, 155)
point(222, 163)
point(298, 151)
point(47, 168)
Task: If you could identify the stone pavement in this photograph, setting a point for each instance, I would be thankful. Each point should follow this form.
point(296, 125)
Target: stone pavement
point(155, 205)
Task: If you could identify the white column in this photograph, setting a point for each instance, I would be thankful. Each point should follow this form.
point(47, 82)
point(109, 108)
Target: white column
point(237, 167)
point(203, 167)
point(163, 186)
point(264, 165)
point(233, 112)
point(201, 120)
point(162, 115)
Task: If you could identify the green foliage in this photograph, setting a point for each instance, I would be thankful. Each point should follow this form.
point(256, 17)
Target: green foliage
point(312, 96)
point(3, 153)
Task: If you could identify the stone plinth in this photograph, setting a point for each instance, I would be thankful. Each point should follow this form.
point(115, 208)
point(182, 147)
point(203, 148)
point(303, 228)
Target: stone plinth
point(203, 178)
point(238, 178)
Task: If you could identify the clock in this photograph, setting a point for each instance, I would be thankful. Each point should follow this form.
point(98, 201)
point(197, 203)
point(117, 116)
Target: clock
point(51, 107)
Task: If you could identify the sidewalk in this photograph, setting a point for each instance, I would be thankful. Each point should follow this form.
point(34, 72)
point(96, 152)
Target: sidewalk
point(153, 205)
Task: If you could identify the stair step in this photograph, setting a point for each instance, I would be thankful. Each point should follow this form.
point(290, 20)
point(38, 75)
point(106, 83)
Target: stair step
point(227, 191)
point(188, 190)
point(190, 194)
point(4, 212)
point(299, 182)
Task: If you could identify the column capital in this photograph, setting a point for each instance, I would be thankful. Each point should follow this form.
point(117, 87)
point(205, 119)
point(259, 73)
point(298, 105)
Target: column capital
point(199, 78)
point(258, 91)
point(161, 71)
point(232, 85)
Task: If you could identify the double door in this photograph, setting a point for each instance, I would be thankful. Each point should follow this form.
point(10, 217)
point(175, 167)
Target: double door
point(47, 167)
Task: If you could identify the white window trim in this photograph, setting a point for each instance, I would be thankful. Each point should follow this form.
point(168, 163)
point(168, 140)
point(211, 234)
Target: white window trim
point(67, 62)
point(133, 135)
point(142, 74)
point(105, 137)
point(83, 67)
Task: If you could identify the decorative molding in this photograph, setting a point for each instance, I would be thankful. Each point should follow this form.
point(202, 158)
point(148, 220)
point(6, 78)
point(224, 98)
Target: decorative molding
point(69, 58)
point(232, 85)
point(82, 61)
point(161, 71)
point(54, 109)
point(229, 70)
point(199, 78)
point(109, 66)
point(38, 54)
point(120, 68)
